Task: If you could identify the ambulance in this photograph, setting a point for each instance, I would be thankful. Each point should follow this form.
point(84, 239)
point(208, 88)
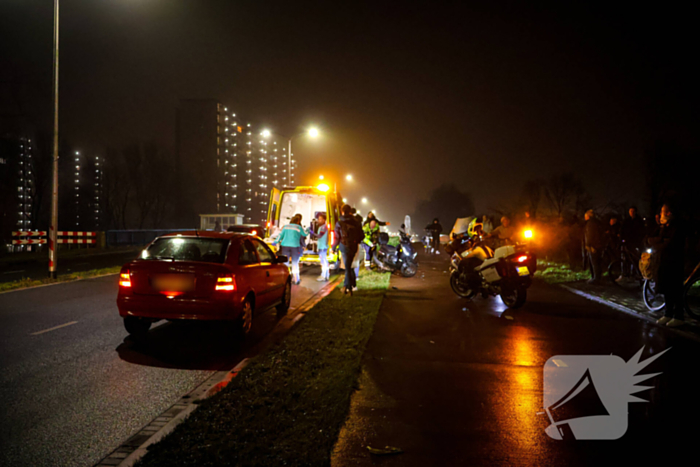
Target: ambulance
point(309, 201)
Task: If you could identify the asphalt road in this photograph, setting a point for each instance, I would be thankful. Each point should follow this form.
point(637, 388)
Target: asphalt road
point(39, 269)
point(74, 386)
point(453, 382)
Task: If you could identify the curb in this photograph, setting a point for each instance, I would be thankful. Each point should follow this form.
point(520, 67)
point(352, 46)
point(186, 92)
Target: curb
point(134, 448)
point(629, 311)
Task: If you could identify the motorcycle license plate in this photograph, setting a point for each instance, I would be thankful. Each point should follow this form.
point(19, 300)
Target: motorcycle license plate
point(523, 271)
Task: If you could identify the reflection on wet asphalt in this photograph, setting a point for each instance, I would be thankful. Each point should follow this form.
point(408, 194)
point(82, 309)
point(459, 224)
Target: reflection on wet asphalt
point(457, 382)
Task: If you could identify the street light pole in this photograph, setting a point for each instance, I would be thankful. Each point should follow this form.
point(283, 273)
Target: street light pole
point(53, 230)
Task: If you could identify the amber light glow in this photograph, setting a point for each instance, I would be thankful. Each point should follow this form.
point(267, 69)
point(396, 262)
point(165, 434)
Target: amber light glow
point(528, 233)
point(225, 284)
point(124, 279)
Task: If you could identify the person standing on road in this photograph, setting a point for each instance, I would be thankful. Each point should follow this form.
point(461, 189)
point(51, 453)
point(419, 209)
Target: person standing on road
point(593, 241)
point(435, 230)
point(371, 237)
point(372, 217)
point(290, 240)
point(322, 247)
point(348, 235)
point(360, 251)
point(669, 243)
point(633, 232)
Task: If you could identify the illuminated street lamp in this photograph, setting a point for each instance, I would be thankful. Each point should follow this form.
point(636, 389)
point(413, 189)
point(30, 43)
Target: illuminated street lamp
point(364, 200)
point(320, 177)
point(312, 132)
point(348, 178)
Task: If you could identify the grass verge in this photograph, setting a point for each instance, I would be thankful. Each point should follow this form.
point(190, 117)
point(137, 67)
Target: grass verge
point(24, 283)
point(288, 405)
point(557, 273)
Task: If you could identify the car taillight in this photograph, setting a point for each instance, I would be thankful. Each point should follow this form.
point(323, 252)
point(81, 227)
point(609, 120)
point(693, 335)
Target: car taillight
point(125, 279)
point(225, 284)
point(254, 232)
point(521, 259)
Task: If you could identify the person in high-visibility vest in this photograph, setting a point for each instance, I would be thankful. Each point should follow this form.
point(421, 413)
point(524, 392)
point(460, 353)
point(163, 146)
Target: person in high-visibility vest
point(371, 230)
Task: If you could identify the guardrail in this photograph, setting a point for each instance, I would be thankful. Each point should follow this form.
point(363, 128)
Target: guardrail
point(135, 237)
point(61, 233)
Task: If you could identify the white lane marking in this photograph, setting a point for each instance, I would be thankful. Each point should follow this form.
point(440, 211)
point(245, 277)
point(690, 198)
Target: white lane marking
point(53, 328)
point(13, 272)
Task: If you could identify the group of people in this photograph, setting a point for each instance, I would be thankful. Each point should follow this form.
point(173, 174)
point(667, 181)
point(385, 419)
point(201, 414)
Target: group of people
point(666, 238)
point(351, 232)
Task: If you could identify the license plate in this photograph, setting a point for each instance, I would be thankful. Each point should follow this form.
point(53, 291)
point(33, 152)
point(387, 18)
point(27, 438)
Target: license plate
point(523, 271)
point(174, 283)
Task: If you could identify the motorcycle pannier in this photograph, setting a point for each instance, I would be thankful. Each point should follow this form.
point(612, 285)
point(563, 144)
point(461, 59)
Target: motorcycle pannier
point(383, 238)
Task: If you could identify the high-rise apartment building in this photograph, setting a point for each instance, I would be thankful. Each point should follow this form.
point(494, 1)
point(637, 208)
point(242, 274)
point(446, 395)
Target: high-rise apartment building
point(226, 165)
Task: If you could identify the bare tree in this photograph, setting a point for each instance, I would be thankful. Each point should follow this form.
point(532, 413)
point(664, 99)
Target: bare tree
point(564, 192)
point(532, 195)
point(117, 190)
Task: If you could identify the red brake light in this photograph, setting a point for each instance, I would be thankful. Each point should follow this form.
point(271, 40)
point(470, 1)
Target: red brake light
point(521, 259)
point(254, 232)
point(125, 279)
point(225, 284)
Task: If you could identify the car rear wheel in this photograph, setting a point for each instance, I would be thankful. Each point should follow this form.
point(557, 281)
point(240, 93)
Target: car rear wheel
point(245, 321)
point(286, 300)
point(137, 327)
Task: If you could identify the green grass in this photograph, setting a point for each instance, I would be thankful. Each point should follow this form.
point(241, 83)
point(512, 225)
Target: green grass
point(29, 257)
point(288, 405)
point(24, 283)
point(556, 273)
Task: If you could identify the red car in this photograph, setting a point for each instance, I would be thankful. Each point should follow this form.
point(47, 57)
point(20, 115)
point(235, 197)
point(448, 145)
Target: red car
point(223, 276)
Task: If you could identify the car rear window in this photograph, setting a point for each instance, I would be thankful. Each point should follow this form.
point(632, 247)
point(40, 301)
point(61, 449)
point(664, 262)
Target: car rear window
point(206, 250)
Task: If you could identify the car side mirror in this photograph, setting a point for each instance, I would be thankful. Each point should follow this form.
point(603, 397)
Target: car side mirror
point(281, 259)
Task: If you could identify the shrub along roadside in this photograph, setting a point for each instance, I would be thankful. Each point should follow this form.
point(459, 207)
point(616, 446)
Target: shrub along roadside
point(557, 273)
point(288, 405)
point(25, 283)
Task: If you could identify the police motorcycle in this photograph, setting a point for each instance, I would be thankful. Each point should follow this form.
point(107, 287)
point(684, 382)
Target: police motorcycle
point(402, 258)
point(476, 268)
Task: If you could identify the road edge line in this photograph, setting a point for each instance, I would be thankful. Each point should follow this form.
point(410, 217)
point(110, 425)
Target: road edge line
point(629, 311)
point(207, 388)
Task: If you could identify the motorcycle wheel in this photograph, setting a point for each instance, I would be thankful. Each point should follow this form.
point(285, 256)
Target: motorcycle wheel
point(409, 269)
point(514, 297)
point(460, 289)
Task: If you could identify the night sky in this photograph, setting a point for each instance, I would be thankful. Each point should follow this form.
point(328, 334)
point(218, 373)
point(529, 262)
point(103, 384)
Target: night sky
point(409, 95)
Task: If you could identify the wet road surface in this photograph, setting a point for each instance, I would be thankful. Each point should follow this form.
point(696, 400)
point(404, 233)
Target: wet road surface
point(453, 382)
point(74, 386)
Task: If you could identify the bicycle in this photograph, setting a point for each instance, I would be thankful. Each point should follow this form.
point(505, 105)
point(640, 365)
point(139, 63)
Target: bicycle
point(690, 298)
point(624, 270)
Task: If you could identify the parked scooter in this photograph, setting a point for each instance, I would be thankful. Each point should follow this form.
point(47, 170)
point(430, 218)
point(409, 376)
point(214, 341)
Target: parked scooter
point(506, 271)
point(400, 258)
